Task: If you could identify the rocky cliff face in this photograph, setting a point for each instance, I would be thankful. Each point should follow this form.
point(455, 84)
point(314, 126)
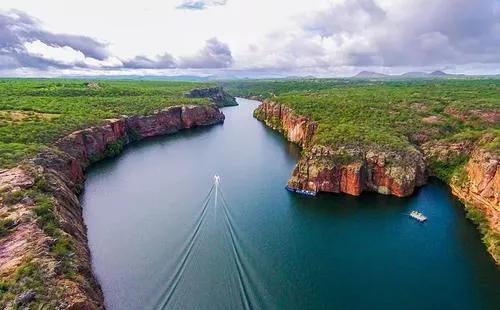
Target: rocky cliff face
point(40, 205)
point(479, 188)
point(343, 170)
point(353, 170)
point(296, 128)
point(482, 181)
point(323, 169)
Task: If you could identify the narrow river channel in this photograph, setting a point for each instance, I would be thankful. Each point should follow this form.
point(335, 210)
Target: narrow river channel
point(330, 251)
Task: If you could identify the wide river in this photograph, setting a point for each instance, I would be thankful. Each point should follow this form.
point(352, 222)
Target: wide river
point(282, 250)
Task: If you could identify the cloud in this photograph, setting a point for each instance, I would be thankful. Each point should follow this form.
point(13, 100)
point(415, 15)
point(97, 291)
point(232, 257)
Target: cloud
point(200, 4)
point(18, 33)
point(25, 44)
point(321, 36)
point(349, 17)
point(399, 33)
point(215, 54)
point(165, 61)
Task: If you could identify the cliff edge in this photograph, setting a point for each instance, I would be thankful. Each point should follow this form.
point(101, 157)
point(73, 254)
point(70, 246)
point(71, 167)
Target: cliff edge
point(475, 178)
point(44, 256)
point(349, 170)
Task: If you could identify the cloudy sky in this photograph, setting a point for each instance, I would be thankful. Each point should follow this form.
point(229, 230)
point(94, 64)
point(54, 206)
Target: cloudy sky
point(248, 37)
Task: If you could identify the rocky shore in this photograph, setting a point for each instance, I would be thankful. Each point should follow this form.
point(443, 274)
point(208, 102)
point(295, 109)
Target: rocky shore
point(353, 170)
point(44, 256)
point(477, 185)
point(343, 170)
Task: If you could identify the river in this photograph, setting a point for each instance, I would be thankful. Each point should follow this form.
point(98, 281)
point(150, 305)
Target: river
point(292, 252)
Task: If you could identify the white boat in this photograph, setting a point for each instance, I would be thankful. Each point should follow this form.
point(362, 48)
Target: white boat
point(300, 191)
point(418, 216)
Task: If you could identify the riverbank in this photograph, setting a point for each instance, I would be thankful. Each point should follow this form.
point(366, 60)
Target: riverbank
point(44, 256)
point(297, 252)
point(352, 170)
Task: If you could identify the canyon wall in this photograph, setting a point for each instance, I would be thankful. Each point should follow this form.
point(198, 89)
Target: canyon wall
point(479, 189)
point(353, 170)
point(343, 170)
point(56, 174)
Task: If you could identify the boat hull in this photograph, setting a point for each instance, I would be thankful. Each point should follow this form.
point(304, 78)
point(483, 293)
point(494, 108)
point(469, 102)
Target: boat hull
point(300, 191)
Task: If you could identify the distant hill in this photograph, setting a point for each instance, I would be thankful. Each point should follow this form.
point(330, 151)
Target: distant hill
point(413, 74)
point(370, 75)
point(438, 73)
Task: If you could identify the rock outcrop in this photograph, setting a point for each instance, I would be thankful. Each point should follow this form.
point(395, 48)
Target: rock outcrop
point(475, 179)
point(353, 170)
point(296, 128)
point(482, 182)
point(323, 169)
point(216, 94)
point(89, 145)
point(343, 170)
point(56, 175)
point(478, 186)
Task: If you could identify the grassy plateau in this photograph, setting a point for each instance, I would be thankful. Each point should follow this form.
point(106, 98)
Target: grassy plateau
point(36, 112)
point(384, 113)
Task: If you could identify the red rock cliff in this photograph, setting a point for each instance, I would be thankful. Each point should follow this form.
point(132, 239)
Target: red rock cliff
point(480, 188)
point(62, 170)
point(350, 171)
point(476, 184)
point(296, 128)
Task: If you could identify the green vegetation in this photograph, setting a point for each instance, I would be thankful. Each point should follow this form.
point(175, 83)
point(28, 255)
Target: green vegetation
point(5, 225)
point(390, 114)
point(36, 112)
point(396, 115)
point(445, 170)
point(490, 237)
point(48, 221)
point(385, 114)
point(28, 278)
point(114, 148)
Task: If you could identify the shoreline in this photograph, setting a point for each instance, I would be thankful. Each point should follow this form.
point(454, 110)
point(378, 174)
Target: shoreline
point(323, 169)
point(46, 233)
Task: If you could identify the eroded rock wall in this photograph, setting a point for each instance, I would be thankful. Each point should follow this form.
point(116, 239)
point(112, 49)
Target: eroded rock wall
point(479, 187)
point(398, 173)
point(61, 168)
point(343, 170)
point(296, 128)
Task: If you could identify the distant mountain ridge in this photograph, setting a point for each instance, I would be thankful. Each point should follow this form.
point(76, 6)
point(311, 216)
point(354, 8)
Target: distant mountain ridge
point(370, 74)
point(413, 74)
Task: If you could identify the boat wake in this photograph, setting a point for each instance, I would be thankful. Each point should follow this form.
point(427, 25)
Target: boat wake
point(246, 295)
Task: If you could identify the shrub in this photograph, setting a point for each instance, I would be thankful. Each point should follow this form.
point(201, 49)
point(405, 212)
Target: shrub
point(133, 134)
point(13, 197)
point(5, 226)
point(114, 148)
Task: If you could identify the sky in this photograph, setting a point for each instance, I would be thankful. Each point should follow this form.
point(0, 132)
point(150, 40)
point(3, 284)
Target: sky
point(248, 38)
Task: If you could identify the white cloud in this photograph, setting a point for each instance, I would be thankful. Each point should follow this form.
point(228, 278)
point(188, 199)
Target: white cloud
point(200, 4)
point(65, 54)
point(320, 36)
point(68, 56)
